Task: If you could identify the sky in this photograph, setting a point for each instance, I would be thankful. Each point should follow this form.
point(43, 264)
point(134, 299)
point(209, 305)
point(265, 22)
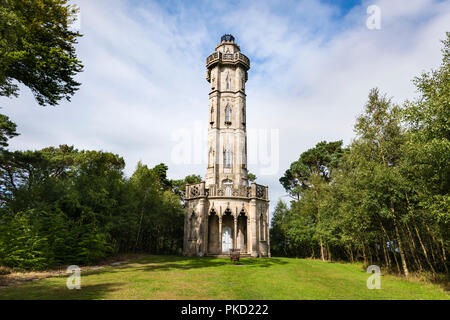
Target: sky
point(144, 94)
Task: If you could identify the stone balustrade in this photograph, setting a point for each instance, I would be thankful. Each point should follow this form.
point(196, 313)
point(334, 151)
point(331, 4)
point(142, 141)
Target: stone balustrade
point(198, 190)
point(225, 58)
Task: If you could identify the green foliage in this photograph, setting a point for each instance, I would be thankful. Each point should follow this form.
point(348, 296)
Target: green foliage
point(251, 177)
point(65, 206)
point(179, 186)
point(318, 161)
point(37, 49)
point(7, 130)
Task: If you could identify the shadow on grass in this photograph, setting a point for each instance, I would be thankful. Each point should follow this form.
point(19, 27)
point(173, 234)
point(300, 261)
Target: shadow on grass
point(161, 263)
point(45, 291)
point(166, 263)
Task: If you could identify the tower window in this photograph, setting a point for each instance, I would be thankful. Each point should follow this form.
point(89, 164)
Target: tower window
point(227, 158)
point(211, 121)
point(228, 115)
point(227, 184)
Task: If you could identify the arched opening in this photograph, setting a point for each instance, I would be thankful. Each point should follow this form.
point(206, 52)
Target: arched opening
point(227, 231)
point(242, 232)
point(213, 233)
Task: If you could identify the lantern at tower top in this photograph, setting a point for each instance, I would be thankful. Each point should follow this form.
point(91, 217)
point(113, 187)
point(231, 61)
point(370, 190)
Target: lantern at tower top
point(227, 45)
point(227, 53)
point(227, 37)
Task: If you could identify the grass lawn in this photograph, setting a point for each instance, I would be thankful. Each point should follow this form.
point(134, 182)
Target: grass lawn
point(169, 277)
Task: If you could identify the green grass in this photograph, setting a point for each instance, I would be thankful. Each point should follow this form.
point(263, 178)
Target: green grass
point(169, 277)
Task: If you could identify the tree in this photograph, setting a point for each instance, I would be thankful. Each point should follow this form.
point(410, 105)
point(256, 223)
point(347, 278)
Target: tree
point(179, 186)
point(37, 49)
point(427, 159)
point(251, 177)
point(279, 229)
point(7, 130)
point(161, 172)
point(310, 174)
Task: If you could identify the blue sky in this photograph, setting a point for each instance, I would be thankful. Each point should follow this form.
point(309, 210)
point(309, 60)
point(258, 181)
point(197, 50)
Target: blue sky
point(312, 66)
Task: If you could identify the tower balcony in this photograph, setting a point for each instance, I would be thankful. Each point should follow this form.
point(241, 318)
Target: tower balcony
point(227, 58)
point(198, 190)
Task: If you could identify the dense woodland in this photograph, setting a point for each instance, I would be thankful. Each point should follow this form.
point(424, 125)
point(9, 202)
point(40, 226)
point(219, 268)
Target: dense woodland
point(384, 199)
point(64, 206)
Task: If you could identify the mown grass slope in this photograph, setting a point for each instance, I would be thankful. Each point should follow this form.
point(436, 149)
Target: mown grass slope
point(170, 277)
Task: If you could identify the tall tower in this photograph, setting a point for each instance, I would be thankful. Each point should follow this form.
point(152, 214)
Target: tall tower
point(225, 212)
point(227, 139)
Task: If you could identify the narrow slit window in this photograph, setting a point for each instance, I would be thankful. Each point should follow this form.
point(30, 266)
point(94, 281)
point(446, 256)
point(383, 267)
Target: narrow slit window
point(228, 115)
point(227, 159)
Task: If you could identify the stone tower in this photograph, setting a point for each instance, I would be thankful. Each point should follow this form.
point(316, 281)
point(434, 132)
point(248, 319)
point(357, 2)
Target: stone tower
point(224, 212)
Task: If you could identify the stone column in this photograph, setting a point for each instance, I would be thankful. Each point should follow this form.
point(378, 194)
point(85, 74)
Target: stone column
point(253, 222)
point(200, 220)
point(235, 233)
point(186, 231)
point(268, 230)
point(249, 235)
point(253, 190)
point(220, 234)
point(206, 231)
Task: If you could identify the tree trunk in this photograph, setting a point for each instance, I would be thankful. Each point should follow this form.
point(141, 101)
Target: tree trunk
point(400, 246)
point(387, 259)
point(328, 253)
point(350, 254)
point(322, 254)
point(364, 254)
point(444, 256)
point(139, 229)
point(390, 244)
point(442, 253)
point(425, 253)
point(377, 252)
point(394, 254)
point(412, 247)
